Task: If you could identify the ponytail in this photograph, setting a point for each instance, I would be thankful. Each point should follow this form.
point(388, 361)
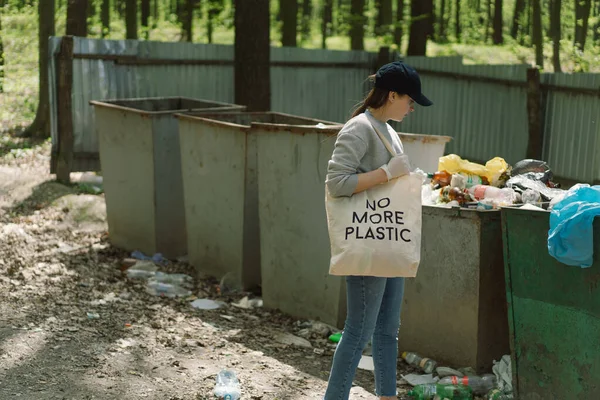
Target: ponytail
point(376, 98)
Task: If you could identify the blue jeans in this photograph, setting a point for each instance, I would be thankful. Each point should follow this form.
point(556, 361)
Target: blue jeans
point(373, 311)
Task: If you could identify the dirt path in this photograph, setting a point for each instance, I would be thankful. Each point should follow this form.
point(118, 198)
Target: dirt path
point(56, 266)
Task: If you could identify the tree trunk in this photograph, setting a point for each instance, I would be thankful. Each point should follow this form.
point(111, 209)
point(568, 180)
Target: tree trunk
point(76, 18)
point(597, 26)
point(537, 33)
point(214, 8)
point(131, 19)
point(252, 54)
point(289, 18)
point(306, 19)
point(398, 31)
point(326, 21)
point(105, 17)
point(528, 29)
point(582, 16)
point(91, 9)
point(120, 7)
point(488, 24)
point(155, 14)
point(497, 37)
point(357, 24)
point(442, 21)
point(420, 27)
point(145, 10)
point(187, 17)
point(457, 21)
point(433, 18)
point(519, 8)
point(41, 125)
point(384, 17)
point(555, 7)
point(1, 60)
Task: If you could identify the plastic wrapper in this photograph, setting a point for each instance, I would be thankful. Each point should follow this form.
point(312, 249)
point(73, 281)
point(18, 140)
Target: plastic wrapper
point(495, 170)
point(531, 196)
point(521, 183)
point(534, 169)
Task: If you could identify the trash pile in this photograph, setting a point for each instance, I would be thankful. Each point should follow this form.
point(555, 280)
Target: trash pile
point(461, 183)
point(461, 384)
point(162, 284)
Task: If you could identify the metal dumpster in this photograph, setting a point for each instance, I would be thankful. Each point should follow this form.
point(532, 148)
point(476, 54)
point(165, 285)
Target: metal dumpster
point(295, 252)
point(219, 164)
point(454, 311)
point(139, 156)
point(554, 313)
point(424, 151)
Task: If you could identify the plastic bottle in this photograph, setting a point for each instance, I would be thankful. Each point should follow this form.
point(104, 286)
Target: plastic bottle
point(432, 390)
point(426, 364)
point(441, 178)
point(166, 289)
point(496, 394)
point(480, 384)
point(448, 194)
point(174, 279)
point(336, 337)
point(227, 386)
point(503, 196)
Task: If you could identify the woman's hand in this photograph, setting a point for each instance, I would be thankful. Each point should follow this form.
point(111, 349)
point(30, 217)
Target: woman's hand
point(398, 166)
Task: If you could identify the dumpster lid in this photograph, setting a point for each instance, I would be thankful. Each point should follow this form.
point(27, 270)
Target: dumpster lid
point(268, 120)
point(166, 105)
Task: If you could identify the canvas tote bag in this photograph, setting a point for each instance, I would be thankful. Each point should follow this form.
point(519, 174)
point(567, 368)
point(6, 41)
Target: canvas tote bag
point(377, 232)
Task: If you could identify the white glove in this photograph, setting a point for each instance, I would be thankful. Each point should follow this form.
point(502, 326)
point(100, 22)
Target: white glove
point(398, 166)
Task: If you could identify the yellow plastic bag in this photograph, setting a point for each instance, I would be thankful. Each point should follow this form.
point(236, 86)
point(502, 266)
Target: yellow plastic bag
point(492, 170)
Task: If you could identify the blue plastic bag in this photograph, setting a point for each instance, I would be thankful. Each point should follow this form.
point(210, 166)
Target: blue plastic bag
point(571, 235)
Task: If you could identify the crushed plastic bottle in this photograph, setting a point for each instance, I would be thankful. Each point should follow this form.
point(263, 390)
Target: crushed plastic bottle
point(166, 289)
point(142, 270)
point(500, 197)
point(227, 386)
point(480, 384)
point(531, 196)
point(435, 391)
point(426, 364)
point(174, 279)
point(156, 258)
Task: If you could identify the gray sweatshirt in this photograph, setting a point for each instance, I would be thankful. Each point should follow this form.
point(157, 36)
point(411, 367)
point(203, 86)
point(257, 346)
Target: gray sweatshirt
point(358, 149)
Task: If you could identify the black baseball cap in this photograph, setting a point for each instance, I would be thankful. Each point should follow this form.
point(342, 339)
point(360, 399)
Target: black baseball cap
point(403, 79)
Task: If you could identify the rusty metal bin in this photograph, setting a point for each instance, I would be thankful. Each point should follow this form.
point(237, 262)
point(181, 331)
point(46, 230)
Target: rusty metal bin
point(220, 180)
point(454, 311)
point(553, 313)
point(140, 160)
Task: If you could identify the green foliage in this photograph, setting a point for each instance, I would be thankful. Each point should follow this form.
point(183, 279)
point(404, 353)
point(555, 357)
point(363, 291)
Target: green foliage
point(19, 37)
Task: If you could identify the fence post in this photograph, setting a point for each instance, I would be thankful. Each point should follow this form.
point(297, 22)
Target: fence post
point(64, 158)
point(535, 143)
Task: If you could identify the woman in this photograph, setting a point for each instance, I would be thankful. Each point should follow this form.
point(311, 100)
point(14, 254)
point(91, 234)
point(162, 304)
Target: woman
point(360, 161)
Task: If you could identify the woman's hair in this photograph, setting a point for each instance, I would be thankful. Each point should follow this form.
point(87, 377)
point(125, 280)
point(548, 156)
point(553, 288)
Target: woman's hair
point(375, 99)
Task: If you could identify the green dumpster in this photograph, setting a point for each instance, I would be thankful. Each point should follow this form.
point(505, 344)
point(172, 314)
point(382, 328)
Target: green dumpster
point(553, 311)
point(219, 164)
point(454, 311)
point(139, 156)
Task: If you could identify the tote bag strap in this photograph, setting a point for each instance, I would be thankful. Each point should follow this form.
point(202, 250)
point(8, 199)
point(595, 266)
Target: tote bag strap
point(386, 142)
